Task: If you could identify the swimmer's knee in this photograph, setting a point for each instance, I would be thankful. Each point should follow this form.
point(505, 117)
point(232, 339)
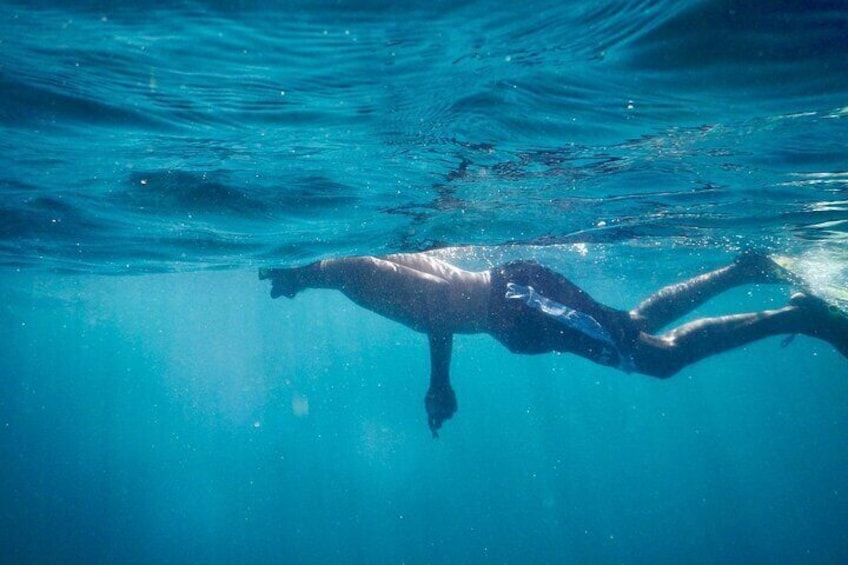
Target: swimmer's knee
point(656, 357)
point(638, 321)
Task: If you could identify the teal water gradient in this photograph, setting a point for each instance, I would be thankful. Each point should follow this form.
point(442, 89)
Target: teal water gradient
point(157, 407)
point(187, 417)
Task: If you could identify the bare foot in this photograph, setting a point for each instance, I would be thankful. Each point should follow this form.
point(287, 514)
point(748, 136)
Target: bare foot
point(827, 321)
point(761, 269)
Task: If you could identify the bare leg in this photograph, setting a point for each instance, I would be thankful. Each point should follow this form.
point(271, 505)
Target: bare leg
point(663, 356)
point(674, 301)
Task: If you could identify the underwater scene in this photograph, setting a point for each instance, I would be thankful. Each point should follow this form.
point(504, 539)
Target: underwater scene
point(158, 406)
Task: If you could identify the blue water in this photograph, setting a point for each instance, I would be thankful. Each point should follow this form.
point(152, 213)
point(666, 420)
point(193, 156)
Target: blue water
point(157, 406)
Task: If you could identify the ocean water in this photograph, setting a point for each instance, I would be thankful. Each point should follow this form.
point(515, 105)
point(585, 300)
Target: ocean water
point(157, 406)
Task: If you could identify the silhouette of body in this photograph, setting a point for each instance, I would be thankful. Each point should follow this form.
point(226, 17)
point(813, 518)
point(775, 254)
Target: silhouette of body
point(532, 309)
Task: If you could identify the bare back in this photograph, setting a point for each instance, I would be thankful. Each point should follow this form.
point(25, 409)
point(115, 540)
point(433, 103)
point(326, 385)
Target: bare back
point(466, 299)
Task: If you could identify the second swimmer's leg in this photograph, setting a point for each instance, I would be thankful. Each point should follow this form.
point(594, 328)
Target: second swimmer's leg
point(664, 355)
point(677, 300)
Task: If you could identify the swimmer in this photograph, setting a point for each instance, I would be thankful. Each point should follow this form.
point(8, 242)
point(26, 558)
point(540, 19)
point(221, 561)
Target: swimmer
point(532, 309)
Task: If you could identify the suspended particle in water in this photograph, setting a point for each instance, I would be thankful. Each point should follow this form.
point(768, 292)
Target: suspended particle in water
point(300, 405)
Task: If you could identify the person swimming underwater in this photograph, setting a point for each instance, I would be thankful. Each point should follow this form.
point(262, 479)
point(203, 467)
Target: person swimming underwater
point(532, 309)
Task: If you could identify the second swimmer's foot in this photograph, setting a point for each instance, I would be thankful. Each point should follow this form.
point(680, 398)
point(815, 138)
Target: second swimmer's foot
point(761, 268)
point(827, 321)
point(283, 282)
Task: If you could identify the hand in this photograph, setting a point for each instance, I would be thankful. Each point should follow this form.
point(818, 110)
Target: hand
point(441, 405)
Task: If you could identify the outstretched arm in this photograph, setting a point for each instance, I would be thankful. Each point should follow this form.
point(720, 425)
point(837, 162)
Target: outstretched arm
point(440, 400)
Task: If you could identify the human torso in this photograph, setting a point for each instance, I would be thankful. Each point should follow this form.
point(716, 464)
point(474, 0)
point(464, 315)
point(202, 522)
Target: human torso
point(469, 301)
point(467, 304)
